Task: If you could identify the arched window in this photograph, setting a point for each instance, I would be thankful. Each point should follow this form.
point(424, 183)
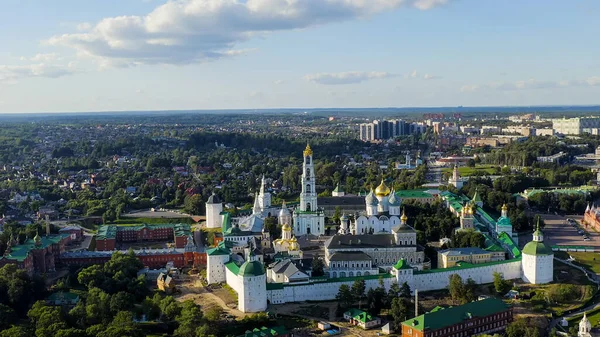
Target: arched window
point(307, 188)
point(308, 172)
point(307, 159)
point(308, 207)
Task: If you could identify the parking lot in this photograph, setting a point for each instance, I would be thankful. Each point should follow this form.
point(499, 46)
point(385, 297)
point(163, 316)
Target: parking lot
point(559, 231)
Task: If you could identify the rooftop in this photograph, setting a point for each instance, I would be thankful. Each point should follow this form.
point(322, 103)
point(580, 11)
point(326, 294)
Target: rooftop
point(20, 252)
point(440, 318)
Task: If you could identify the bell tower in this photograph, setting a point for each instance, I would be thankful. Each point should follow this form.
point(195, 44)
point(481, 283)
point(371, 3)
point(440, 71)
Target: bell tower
point(308, 197)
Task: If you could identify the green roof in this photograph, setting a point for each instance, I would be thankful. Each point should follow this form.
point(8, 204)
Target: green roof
point(401, 264)
point(529, 193)
point(360, 315)
point(537, 248)
point(338, 188)
point(442, 318)
point(476, 197)
point(413, 194)
point(265, 332)
point(464, 265)
point(509, 243)
point(217, 251)
point(20, 252)
point(66, 296)
point(110, 231)
point(252, 268)
point(233, 267)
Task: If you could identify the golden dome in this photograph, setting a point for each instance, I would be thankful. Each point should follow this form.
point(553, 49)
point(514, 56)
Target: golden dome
point(293, 246)
point(505, 207)
point(403, 217)
point(286, 228)
point(293, 239)
point(382, 190)
point(308, 151)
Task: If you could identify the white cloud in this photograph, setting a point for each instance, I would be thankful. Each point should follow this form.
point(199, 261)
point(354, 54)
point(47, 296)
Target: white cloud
point(278, 82)
point(431, 77)
point(84, 26)
point(139, 91)
point(346, 77)
point(10, 73)
point(429, 4)
point(412, 74)
point(531, 84)
point(51, 57)
point(189, 31)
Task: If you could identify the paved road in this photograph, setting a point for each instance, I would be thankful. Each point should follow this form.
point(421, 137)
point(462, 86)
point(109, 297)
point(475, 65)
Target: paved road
point(559, 232)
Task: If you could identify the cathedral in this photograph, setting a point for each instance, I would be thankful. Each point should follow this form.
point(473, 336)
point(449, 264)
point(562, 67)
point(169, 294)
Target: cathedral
point(382, 213)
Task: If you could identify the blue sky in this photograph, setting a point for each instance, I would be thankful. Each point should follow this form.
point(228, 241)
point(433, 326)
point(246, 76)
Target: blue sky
point(97, 55)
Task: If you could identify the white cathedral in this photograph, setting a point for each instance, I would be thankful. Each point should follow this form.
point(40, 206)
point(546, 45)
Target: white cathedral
point(382, 213)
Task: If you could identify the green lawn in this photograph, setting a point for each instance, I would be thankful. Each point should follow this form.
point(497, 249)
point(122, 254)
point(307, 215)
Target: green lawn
point(593, 316)
point(469, 171)
point(588, 260)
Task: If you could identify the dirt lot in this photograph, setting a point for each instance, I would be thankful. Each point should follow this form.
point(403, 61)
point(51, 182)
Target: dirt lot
point(208, 299)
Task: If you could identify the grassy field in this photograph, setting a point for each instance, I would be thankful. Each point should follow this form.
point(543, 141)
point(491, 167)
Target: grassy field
point(593, 316)
point(588, 260)
point(469, 171)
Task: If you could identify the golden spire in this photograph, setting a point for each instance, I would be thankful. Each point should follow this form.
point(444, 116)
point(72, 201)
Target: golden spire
point(505, 207)
point(308, 151)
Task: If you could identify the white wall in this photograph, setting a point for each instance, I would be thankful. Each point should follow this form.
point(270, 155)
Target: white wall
point(213, 217)
point(215, 268)
point(422, 282)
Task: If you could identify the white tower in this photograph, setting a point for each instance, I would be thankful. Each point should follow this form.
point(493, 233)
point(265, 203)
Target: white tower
point(344, 225)
point(256, 209)
point(308, 219)
point(214, 207)
point(253, 294)
point(585, 327)
point(264, 198)
point(308, 197)
point(456, 180)
point(285, 217)
point(338, 191)
point(537, 260)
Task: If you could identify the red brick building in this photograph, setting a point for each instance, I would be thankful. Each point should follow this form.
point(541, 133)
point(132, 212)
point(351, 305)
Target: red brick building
point(479, 317)
point(152, 258)
point(109, 235)
point(38, 255)
point(591, 217)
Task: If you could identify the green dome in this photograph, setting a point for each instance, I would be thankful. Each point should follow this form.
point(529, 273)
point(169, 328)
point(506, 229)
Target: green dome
point(401, 264)
point(253, 268)
point(537, 248)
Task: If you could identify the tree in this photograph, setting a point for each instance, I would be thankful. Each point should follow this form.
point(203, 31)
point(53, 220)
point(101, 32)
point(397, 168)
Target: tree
point(15, 331)
point(520, 328)
point(189, 320)
point(170, 309)
point(399, 312)
point(358, 291)
point(405, 290)
point(317, 266)
point(392, 293)
point(500, 284)
point(194, 204)
point(345, 296)
point(7, 316)
point(121, 301)
point(456, 288)
point(214, 314)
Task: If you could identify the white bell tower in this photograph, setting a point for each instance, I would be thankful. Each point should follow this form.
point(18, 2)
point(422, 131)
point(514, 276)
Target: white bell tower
point(308, 197)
